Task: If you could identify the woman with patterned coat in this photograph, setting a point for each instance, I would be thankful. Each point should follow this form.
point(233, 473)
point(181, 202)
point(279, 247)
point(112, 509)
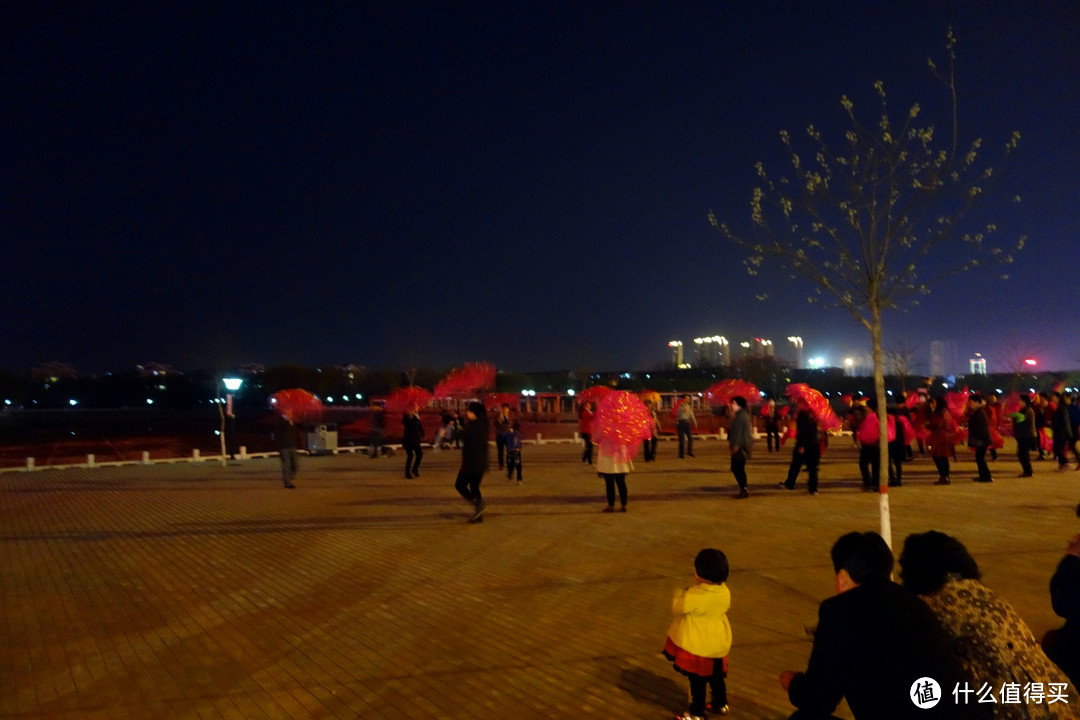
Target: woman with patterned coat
point(996, 647)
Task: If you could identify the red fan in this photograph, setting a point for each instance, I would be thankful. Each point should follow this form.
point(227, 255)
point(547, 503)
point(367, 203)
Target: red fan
point(622, 419)
point(494, 400)
point(594, 393)
point(818, 404)
point(957, 403)
point(469, 380)
point(296, 405)
point(722, 392)
point(404, 399)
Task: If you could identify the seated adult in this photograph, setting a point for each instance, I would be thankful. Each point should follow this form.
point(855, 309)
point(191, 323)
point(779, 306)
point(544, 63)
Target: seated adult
point(874, 642)
point(1063, 645)
point(995, 646)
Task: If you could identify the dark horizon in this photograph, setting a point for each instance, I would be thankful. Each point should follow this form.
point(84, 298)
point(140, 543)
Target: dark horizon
point(407, 184)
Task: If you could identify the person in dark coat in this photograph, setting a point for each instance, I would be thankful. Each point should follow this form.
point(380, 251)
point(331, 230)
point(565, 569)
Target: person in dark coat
point(874, 640)
point(807, 450)
point(474, 459)
point(1063, 645)
point(1025, 433)
point(979, 435)
point(290, 457)
point(412, 436)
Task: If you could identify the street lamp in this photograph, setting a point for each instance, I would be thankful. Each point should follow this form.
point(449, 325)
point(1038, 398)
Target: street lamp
point(232, 384)
point(850, 365)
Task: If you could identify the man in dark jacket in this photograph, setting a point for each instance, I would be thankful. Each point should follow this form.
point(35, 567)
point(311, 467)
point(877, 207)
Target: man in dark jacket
point(807, 449)
point(1063, 645)
point(1024, 432)
point(979, 435)
point(876, 644)
point(474, 459)
point(411, 437)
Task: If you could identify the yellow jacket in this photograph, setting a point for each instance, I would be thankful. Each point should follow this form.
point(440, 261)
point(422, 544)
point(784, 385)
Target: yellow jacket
point(701, 625)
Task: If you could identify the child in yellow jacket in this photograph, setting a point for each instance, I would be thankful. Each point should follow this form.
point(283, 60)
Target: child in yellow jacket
point(699, 638)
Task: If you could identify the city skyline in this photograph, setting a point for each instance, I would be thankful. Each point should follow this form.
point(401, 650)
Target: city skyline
point(406, 184)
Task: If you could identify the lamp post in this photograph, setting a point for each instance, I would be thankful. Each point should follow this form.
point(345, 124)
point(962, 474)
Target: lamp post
point(232, 384)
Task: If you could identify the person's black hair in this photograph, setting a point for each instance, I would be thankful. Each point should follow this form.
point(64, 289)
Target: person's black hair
point(740, 401)
point(975, 397)
point(864, 556)
point(712, 565)
point(478, 409)
point(1025, 398)
point(929, 559)
point(872, 403)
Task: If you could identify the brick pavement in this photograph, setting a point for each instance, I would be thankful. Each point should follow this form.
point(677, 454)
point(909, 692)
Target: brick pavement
point(198, 591)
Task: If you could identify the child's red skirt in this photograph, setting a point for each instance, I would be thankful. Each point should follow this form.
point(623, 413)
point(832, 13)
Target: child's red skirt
point(690, 664)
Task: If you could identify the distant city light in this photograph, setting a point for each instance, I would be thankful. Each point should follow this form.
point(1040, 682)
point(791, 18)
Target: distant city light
point(359, 396)
point(232, 384)
point(149, 401)
point(816, 362)
point(1031, 362)
point(570, 392)
point(73, 402)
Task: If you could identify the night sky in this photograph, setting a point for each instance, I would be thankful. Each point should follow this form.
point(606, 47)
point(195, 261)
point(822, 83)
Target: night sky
point(400, 184)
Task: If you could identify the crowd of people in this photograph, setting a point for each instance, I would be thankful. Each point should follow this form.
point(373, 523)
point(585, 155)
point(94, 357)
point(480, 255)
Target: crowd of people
point(892, 650)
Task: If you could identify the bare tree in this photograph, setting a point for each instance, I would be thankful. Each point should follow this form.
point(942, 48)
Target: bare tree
point(874, 225)
point(899, 362)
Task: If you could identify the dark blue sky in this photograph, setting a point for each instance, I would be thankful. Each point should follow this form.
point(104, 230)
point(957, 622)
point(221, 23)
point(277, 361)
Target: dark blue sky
point(410, 183)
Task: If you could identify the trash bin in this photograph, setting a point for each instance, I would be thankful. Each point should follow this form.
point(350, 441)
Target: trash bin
point(321, 439)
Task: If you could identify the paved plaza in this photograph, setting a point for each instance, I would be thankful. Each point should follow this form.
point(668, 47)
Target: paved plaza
point(195, 590)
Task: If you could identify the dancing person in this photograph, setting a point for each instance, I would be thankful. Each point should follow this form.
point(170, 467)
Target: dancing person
point(613, 464)
point(378, 422)
point(1062, 428)
point(941, 436)
point(290, 456)
point(699, 639)
point(770, 415)
point(585, 423)
point(994, 645)
point(979, 435)
point(807, 450)
point(1024, 432)
point(503, 428)
point(411, 437)
point(649, 443)
point(474, 459)
point(685, 421)
point(874, 639)
point(993, 416)
point(740, 442)
point(869, 454)
point(514, 443)
point(899, 446)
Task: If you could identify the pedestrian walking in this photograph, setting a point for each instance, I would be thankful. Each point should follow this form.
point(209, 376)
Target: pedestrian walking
point(807, 450)
point(290, 456)
point(474, 459)
point(412, 436)
point(514, 444)
point(685, 421)
point(740, 442)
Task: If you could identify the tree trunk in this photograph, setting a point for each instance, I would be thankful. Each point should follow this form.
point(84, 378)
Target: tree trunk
point(876, 333)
